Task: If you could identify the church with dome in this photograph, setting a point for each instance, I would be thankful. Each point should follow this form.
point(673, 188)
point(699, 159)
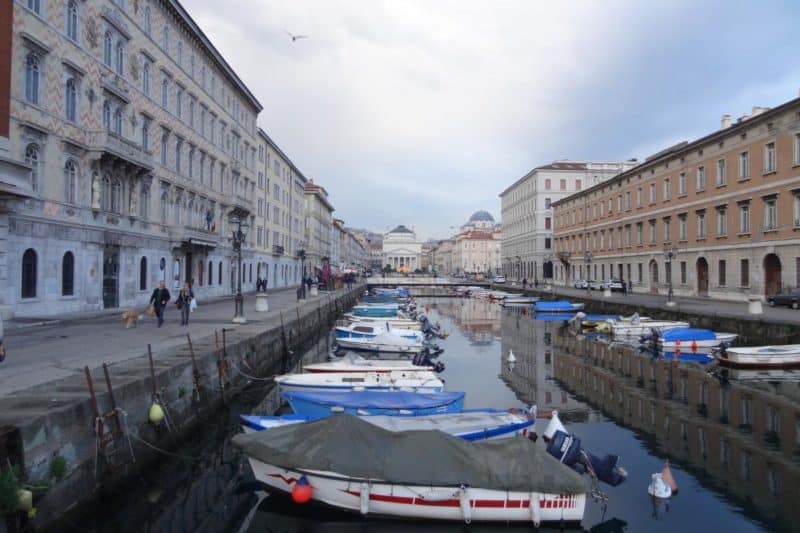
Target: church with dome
point(476, 248)
point(401, 249)
point(482, 220)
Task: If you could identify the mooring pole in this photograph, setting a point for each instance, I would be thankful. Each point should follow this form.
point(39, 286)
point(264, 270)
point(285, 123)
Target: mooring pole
point(152, 371)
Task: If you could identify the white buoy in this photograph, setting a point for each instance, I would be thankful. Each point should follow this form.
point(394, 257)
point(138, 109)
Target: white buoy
point(511, 357)
point(657, 487)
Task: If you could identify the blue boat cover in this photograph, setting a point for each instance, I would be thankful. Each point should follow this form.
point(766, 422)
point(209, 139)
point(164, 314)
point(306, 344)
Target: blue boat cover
point(554, 306)
point(601, 318)
point(377, 399)
point(687, 334)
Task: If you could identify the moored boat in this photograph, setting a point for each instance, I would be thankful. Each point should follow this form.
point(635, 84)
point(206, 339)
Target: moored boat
point(787, 355)
point(557, 306)
point(396, 403)
point(350, 464)
point(638, 327)
point(412, 381)
point(519, 299)
point(691, 340)
point(370, 330)
point(383, 342)
point(359, 364)
point(375, 311)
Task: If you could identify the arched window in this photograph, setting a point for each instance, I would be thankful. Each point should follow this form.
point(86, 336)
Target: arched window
point(70, 180)
point(178, 147)
point(251, 272)
point(68, 274)
point(164, 207)
point(118, 121)
point(120, 58)
point(106, 115)
point(72, 20)
point(32, 159)
point(164, 139)
point(35, 6)
point(219, 274)
point(29, 274)
point(145, 134)
point(105, 193)
point(71, 100)
point(148, 25)
point(190, 214)
point(146, 78)
point(116, 196)
point(210, 273)
point(144, 203)
point(201, 278)
point(32, 78)
point(107, 45)
point(177, 212)
point(143, 274)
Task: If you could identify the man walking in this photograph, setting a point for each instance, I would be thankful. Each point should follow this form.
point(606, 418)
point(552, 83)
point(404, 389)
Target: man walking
point(159, 300)
point(184, 302)
point(624, 287)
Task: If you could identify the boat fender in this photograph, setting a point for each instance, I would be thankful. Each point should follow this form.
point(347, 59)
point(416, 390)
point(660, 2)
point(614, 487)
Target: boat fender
point(364, 497)
point(466, 506)
point(536, 516)
point(302, 490)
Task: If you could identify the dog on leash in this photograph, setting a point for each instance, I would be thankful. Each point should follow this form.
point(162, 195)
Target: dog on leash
point(131, 318)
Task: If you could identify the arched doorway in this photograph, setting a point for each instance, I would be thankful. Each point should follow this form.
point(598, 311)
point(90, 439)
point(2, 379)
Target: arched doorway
point(547, 269)
point(702, 277)
point(653, 268)
point(772, 274)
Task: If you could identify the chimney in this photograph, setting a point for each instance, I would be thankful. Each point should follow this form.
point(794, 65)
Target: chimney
point(757, 110)
point(725, 122)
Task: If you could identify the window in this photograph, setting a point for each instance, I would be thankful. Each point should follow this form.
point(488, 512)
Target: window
point(563, 185)
point(210, 270)
point(627, 200)
point(744, 272)
point(547, 243)
point(120, 58)
point(219, 273)
point(107, 115)
point(68, 274)
point(639, 233)
point(547, 223)
point(744, 218)
point(191, 73)
point(652, 232)
point(32, 159)
point(681, 183)
point(70, 100)
point(146, 77)
point(178, 147)
point(578, 185)
point(143, 274)
point(148, 24)
point(144, 203)
point(666, 229)
point(164, 140)
point(744, 165)
point(35, 6)
point(118, 121)
point(28, 287)
point(546, 182)
point(202, 167)
point(190, 162)
point(619, 203)
point(32, 78)
point(683, 272)
point(721, 179)
point(770, 163)
point(652, 193)
point(179, 102)
point(70, 180)
point(180, 53)
point(116, 197)
point(71, 23)
point(191, 112)
point(202, 121)
point(165, 39)
point(146, 133)
point(701, 179)
point(108, 43)
point(770, 213)
point(164, 91)
point(722, 221)
point(701, 224)
point(681, 227)
point(164, 207)
point(796, 209)
point(797, 148)
point(639, 197)
point(722, 266)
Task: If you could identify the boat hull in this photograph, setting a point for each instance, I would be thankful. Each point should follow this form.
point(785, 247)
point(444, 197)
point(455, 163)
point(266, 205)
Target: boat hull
point(370, 345)
point(622, 329)
point(766, 356)
point(459, 504)
point(415, 381)
point(368, 365)
point(305, 405)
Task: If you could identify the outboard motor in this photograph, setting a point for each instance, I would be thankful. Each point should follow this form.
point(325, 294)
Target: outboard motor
point(565, 447)
point(424, 359)
point(607, 469)
point(651, 337)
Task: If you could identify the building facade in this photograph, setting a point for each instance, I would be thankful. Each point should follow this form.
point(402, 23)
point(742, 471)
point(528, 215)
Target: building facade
point(443, 257)
point(476, 249)
point(141, 144)
point(527, 242)
point(318, 228)
point(715, 217)
point(401, 250)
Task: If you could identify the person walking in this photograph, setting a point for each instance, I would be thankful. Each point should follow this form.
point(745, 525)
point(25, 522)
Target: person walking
point(624, 287)
point(630, 286)
point(183, 302)
point(524, 282)
point(159, 300)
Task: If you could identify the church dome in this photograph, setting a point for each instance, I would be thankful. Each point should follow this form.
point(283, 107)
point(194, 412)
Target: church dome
point(481, 216)
point(402, 229)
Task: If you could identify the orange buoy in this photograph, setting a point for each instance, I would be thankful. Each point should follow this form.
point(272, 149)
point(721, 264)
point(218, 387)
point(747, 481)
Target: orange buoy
point(302, 491)
point(666, 477)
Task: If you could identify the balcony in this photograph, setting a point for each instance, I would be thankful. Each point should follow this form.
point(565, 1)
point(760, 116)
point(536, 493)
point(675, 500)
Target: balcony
point(108, 144)
point(186, 236)
point(564, 257)
point(277, 250)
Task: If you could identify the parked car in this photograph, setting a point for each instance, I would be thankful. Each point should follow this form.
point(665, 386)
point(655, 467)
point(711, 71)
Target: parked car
point(499, 279)
point(582, 284)
point(595, 285)
point(613, 284)
point(790, 298)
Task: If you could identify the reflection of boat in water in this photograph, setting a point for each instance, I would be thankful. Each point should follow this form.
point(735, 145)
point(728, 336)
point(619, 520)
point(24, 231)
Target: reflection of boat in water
point(759, 374)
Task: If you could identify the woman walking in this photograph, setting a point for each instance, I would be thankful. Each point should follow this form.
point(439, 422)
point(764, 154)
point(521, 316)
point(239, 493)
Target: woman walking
point(183, 303)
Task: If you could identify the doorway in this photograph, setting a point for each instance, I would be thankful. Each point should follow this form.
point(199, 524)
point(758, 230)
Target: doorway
point(653, 267)
point(188, 277)
point(702, 277)
point(110, 277)
point(772, 274)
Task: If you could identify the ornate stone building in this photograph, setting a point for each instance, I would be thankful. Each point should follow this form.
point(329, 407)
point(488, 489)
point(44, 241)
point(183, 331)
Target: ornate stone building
point(141, 143)
point(401, 250)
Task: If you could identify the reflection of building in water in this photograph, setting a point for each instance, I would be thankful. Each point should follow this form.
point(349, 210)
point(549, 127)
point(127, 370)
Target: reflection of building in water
point(478, 320)
point(744, 435)
point(530, 377)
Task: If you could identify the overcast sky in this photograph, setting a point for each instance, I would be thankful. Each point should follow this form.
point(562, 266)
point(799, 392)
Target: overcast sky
point(421, 113)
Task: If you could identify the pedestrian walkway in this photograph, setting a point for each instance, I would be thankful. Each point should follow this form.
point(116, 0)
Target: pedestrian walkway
point(60, 347)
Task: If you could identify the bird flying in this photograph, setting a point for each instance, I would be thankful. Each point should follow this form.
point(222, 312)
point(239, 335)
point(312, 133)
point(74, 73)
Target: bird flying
point(295, 37)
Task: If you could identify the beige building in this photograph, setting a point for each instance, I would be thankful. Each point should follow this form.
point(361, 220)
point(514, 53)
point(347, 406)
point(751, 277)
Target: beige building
point(318, 227)
point(401, 249)
point(477, 251)
point(443, 257)
point(141, 144)
point(715, 217)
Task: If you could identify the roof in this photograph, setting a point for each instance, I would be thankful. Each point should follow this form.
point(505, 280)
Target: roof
point(285, 157)
point(476, 235)
point(555, 165)
point(312, 188)
point(481, 216)
point(683, 148)
point(401, 229)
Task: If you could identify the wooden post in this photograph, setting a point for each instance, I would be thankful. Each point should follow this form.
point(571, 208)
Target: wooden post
point(195, 371)
point(152, 372)
point(113, 402)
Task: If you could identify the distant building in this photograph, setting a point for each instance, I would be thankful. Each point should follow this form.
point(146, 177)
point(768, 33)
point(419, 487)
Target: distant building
point(318, 227)
point(401, 250)
point(443, 257)
point(477, 251)
point(527, 217)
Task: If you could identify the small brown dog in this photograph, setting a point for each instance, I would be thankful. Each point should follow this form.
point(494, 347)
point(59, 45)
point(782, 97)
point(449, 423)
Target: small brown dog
point(131, 318)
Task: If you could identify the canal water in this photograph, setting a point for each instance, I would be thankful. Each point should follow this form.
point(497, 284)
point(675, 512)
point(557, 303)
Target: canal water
point(733, 439)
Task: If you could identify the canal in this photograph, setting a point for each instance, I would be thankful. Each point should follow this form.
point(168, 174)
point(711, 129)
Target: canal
point(733, 440)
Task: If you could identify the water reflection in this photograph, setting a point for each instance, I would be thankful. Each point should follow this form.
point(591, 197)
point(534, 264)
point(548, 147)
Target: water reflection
point(477, 320)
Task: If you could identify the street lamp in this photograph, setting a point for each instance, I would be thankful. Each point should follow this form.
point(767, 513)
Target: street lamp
point(302, 255)
point(670, 253)
point(239, 235)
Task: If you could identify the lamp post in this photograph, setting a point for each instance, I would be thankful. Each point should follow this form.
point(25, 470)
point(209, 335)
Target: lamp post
point(670, 253)
point(302, 255)
point(519, 268)
point(239, 235)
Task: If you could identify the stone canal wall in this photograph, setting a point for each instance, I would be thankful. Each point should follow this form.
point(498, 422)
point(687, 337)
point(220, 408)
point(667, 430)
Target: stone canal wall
point(56, 423)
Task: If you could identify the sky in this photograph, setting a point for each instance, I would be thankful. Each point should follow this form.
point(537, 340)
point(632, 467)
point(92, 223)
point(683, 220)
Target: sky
point(422, 112)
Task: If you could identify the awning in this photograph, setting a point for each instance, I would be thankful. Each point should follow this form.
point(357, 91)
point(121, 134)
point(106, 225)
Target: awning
point(201, 242)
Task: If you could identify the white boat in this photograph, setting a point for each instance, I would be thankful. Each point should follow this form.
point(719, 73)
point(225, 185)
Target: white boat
point(359, 364)
point(638, 327)
point(384, 342)
point(691, 339)
point(410, 381)
point(519, 299)
point(425, 475)
point(373, 329)
point(787, 355)
point(402, 323)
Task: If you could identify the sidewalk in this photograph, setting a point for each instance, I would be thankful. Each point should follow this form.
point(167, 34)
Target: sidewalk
point(60, 347)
